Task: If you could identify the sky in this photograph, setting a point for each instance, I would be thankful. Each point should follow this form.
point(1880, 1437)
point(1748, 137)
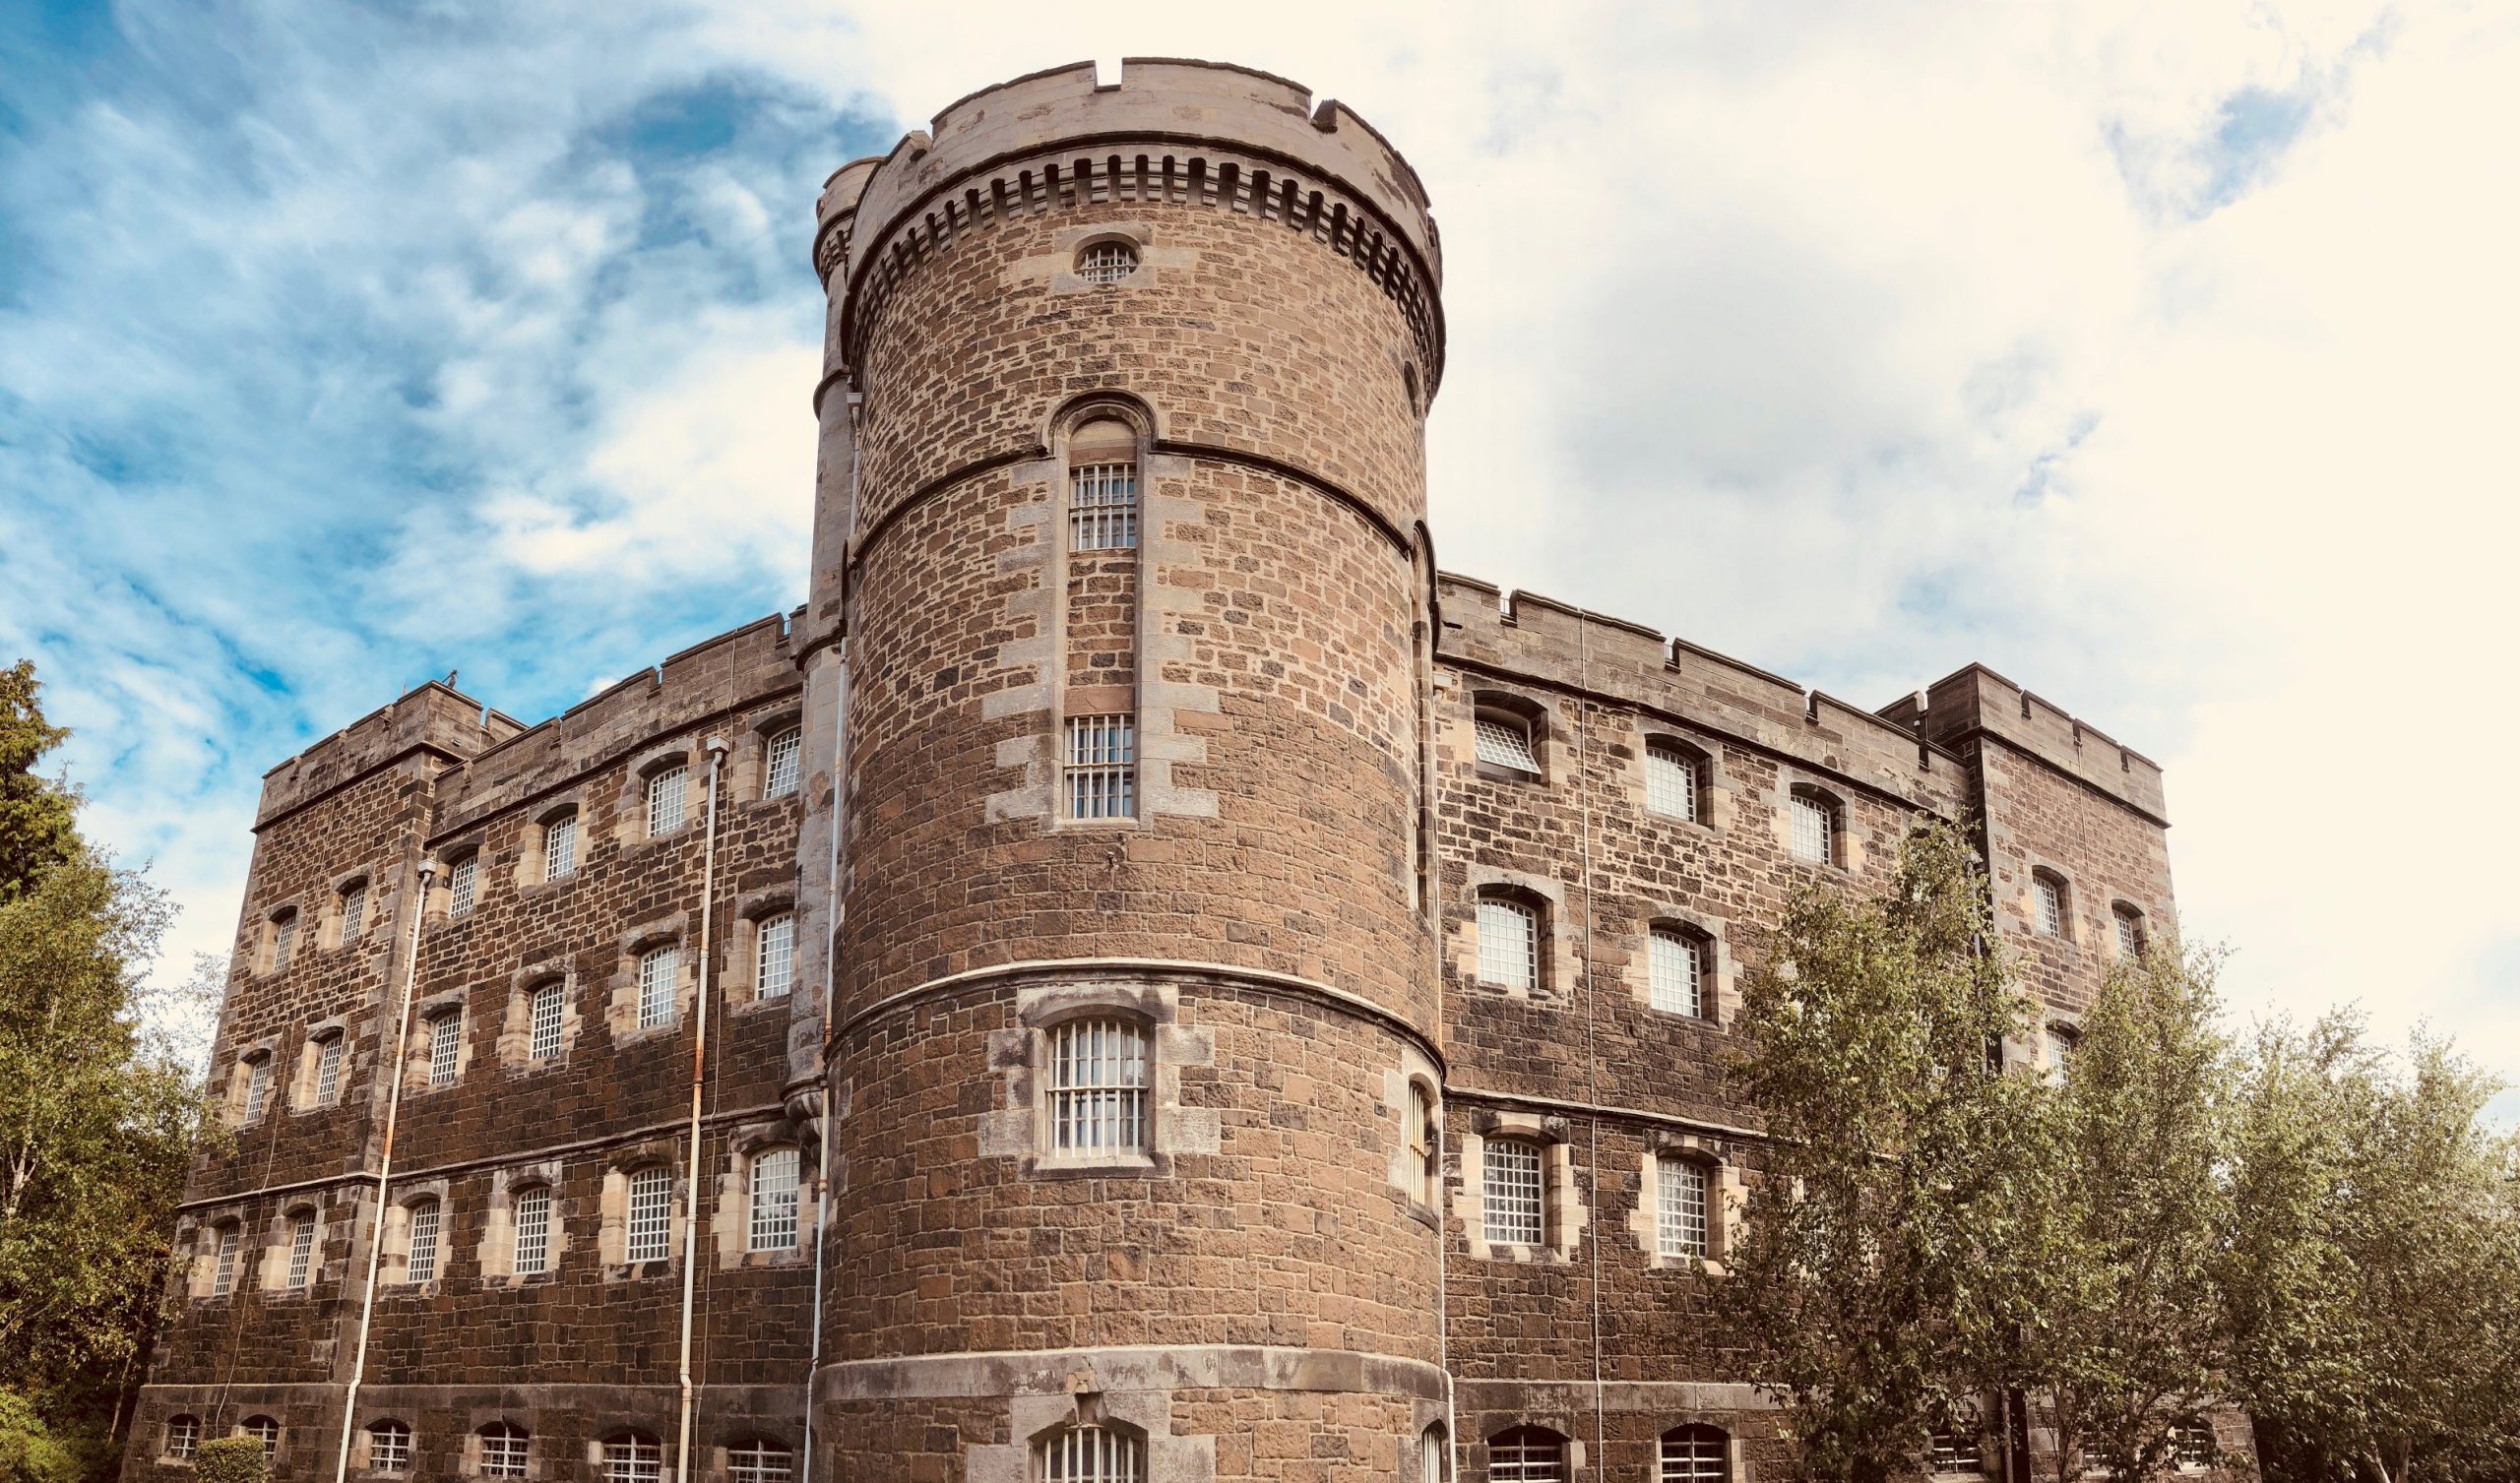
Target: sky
point(2160, 359)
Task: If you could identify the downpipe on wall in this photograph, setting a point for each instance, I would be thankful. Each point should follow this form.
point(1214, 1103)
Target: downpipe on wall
point(702, 1003)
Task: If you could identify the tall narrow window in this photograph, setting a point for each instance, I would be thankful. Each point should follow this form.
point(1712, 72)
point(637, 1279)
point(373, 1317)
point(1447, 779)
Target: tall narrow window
point(446, 1040)
point(183, 1434)
point(561, 847)
point(353, 913)
point(1676, 964)
point(2061, 1042)
point(1515, 1211)
point(760, 1461)
point(2130, 930)
point(504, 1449)
point(328, 1071)
point(1504, 740)
point(664, 799)
point(1815, 829)
point(1103, 506)
point(223, 1273)
point(548, 1002)
point(1692, 1454)
point(534, 1231)
point(1670, 780)
point(1527, 1455)
point(423, 1266)
point(258, 1087)
point(650, 1223)
point(1102, 767)
point(774, 1201)
point(1679, 1188)
point(1098, 1087)
point(1430, 1455)
point(774, 957)
point(283, 939)
point(1508, 944)
point(463, 884)
point(389, 1447)
point(1091, 1455)
point(782, 770)
point(262, 1429)
point(1425, 1144)
point(633, 1457)
point(301, 1252)
point(2050, 894)
point(657, 969)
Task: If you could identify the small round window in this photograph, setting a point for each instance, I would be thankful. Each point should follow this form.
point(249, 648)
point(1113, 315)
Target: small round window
point(1106, 262)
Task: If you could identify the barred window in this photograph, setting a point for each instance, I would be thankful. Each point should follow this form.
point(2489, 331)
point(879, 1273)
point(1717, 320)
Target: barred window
point(1425, 1144)
point(657, 969)
point(2192, 1443)
point(446, 1038)
point(1098, 1087)
point(328, 1071)
point(262, 1429)
point(284, 938)
point(1504, 740)
point(258, 1087)
point(1430, 1455)
point(1692, 1454)
point(551, 1003)
point(1106, 262)
point(389, 1447)
point(664, 799)
point(1102, 767)
point(633, 1457)
point(353, 913)
point(2049, 893)
point(1527, 1455)
point(1091, 1455)
point(183, 1433)
point(1955, 1452)
point(1815, 829)
point(301, 1252)
point(774, 957)
point(532, 1231)
point(1103, 506)
point(1671, 781)
point(2062, 1042)
point(222, 1272)
point(1675, 966)
point(1508, 944)
point(650, 1215)
point(463, 885)
point(760, 1461)
point(2130, 931)
point(503, 1449)
point(561, 847)
point(783, 769)
point(1679, 1188)
point(423, 1266)
point(1515, 1210)
point(774, 1201)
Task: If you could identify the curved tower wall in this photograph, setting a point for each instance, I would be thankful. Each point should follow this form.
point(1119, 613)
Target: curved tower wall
point(1261, 914)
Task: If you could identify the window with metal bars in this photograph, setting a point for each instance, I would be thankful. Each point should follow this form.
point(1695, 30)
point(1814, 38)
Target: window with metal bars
point(532, 1231)
point(650, 1223)
point(1091, 1453)
point(1106, 262)
point(422, 1266)
point(1102, 767)
point(1679, 1190)
point(1692, 1454)
point(328, 1071)
point(664, 799)
point(657, 969)
point(1675, 969)
point(2192, 1443)
point(2050, 894)
point(262, 1429)
point(446, 1041)
point(389, 1447)
point(561, 847)
point(183, 1434)
point(1527, 1455)
point(2062, 1045)
point(782, 763)
point(1815, 829)
point(1516, 1213)
point(1955, 1452)
point(1430, 1455)
point(1504, 740)
point(1671, 781)
point(2130, 931)
point(301, 1252)
point(222, 1272)
point(504, 1449)
point(1098, 1085)
point(775, 957)
point(760, 1461)
point(463, 886)
point(1508, 942)
point(1425, 1144)
point(283, 939)
point(1103, 506)
point(551, 1003)
point(258, 1087)
point(353, 913)
point(633, 1457)
point(774, 1201)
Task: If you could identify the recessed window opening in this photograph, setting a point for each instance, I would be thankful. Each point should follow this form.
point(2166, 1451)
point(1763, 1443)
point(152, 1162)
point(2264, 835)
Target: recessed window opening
point(1671, 781)
point(1508, 944)
point(1691, 1455)
point(446, 1040)
point(774, 957)
point(1103, 506)
point(258, 1087)
point(1514, 1209)
point(328, 1071)
point(301, 1252)
point(534, 1231)
point(262, 1429)
point(223, 1273)
point(782, 769)
point(561, 847)
point(633, 1457)
point(2192, 1443)
point(650, 1215)
point(463, 886)
point(1430, 1455)
point(1106, 262)
point(353, 913)
point(1425, 1144)
point(1681, 1206)
point(1675, 969)
point(1102, 767)
point(657, 969)
point(504, 1449)
point(774, 1201)
point(2049, 895)
point(1815, 829)
point(760, 1461)
point(1098, 1087)
point(2130, 930)
point(664, 799)
point(1527, 1455)
point(389, 1447)
point(283, 939)
point(1091, 1453)
point(1504, 740)
point(425, 1232)
point(545, 1013)
point(1955, 1452)
point(183, 1434)
point(2062, 1042)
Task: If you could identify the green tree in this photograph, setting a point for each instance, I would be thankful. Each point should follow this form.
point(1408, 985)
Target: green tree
point(230, 1459)
point(1898, 1166)
point(38, 829)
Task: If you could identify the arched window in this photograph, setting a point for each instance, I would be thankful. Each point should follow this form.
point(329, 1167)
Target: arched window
point(353, 913)
point(422, 1266)
point(782, 763)
point(222, 1272)
point(463, 885)
point(446, 1043)
point(2048, 899)
point(258, 1085)
point(657, 969)
point(1527, 1455)
point(183, 1434)
point(650, 1228)
point(1676, 967)
point(760, 1460)
point(532, 1231)
point(544, 1014)
point(1692, 1454)
point(1672, 777)
point(1508, 941)
point(665, 798)
point(284, 938)
point(1815, 827)
point(560, 845)
point(774, 1201)
point(328, 1070)
point(1679, 1206)
point(1098, 1087)
point(775, 957)
point(1430, 1455)
point(504, 1449)
point(2130, 930)
point(633, 1457)
point(1425, 1146)
point(262, 1429)
point(301, 1249)
point(1106, 262)
point(389, 1447)
point(1504, 739)
point(1514, 1200)
point(1091, 1453)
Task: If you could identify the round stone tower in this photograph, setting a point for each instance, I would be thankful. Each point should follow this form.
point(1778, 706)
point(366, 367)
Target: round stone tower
point(1121, 600)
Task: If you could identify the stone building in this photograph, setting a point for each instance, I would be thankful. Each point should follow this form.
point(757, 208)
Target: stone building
point(1139, 977)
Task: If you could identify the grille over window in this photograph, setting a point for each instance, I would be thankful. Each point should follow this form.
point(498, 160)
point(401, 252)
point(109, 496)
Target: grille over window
point(534, 1231)
point(1425, 1146)
point(782, 772)
point(1505, 741)
point(463, 884)
point(446, 1038)
point(262, 1429)
point(1103, 506)
point(657, 969)
point(328, 1071)
point(774, 957)
point(301, 1252)
point(1671, 781)
point(353, 913)
point(1527, 1455)
point(664, 799)
point(550, 1004)
point(1508, 944)
point(2192, 1443)
point(503, 1449)
point(650, 1215)
point(284, 938)
point(1102, 767)
point(559, 847)
point(1091, 1455)
point(183, 1433)
point(1692, 1454)
point(258, 1087)
point(760, 1461)
point(2052, 906)
point(774, 1201)
point(1680, 1200)
point(1510, 1173)
point(423, 1263)
point(1098, 1087)
point(1955, 1452)
point(1815, 829)
point(1675, 963)
point(389, 1447)
point(2130, 932)
point(222, 1276)
point(633, 1457)
point(1106, 262)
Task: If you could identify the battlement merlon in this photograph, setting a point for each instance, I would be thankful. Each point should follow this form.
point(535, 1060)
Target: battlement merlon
point(1976, 701)
point(433, 719)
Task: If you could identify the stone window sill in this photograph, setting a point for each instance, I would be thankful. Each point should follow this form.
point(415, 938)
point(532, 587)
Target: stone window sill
point(1122, 1165)
point(1500, 772)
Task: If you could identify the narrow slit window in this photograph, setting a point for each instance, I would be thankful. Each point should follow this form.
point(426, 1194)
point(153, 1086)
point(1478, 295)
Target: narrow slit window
point(1103, 506)
point(1680, 1201)
point(1505, 741)
point(782, 770)
point(446, 1042)
point(549, 1002)
point(657, 969)
point(664, 799)
point(534, 1231)
point(1514, 1209)
point(650, 1215)
point(1508, 944)
point(423, 1263)
point(328, 1071)
point(463, 885)
point(1102, 767)
point(774, 1201)
point(561, 847)
point(1425, 1146)
point(1671, 781)
point(1676, 964)
point(301, 1253)
point(353, 913)
point(774, 957)
point(1098, 1087)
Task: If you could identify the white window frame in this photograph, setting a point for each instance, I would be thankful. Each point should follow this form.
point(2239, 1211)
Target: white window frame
point(774, 966)
point(1676, 972)
point(1504, 739)
point(1513, 1178)
point(328, 1068)
point(389, 1447)
point(1425, 1146)
point(262, 1429)
point(1508, 942)
point(1671, 780)
point(1102, 767)
point(647, 1224)
point(183, 1436)
point(506, 1449)
point(1533, 1455)
point(561, 847)
point(2130, 930)
point(423, 1240)
point(1816, 821)
point(2048, 904)
point(222, 1272)
point(633, 1457)
point(1098, 1083)
point(760, 1460)
point(1089, 1453)
point(446, 1046)
point(667, 802)
point(353, 913)
point(1108, 261)
point(464, 886)
point(546, 1020)
point(1682, 1208)
point(258, 1085)
point(1103, 506)
point(782, 763)
point(533, 1246)
point(1955, 1452)
point(1699, 1456)
point(776, 1194)
point(283, 939)
point(659, 967)
point(301, 1252)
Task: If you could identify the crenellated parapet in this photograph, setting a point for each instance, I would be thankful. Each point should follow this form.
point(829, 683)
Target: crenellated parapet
point(1976, 702)
point(433, 719)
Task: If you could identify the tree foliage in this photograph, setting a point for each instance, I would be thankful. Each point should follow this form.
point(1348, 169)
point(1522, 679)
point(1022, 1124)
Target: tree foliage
point(37, 828)
point(230, 1459)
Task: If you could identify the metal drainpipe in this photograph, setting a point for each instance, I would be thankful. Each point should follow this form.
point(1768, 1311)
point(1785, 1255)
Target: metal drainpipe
point(384, 1167)
point(699, 1067)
